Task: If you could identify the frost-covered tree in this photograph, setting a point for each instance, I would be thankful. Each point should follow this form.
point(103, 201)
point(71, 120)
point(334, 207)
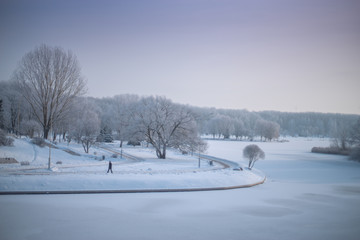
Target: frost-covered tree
point(30, 127)
point(212, 127)
point(163, 123)
point(226, 126)
point(239, 128)
point(187, 139)
point(49, 79)
point(253, 153)
point(267, 129)
point(86, 124)
point(220, 125)
point(272, 131)
point(13, 106)
point(342, 135)
point(123, 121)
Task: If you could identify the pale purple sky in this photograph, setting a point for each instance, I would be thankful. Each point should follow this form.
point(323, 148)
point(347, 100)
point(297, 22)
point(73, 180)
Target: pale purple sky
point(281, 55)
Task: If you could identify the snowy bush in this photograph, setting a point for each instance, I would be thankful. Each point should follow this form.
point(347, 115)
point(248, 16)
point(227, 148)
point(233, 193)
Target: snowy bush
point(24, 163)
point(114, 155)
point(133, 143)
point(38, 141)
point(4, 140)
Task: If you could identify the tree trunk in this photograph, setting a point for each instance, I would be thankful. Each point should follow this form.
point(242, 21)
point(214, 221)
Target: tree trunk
point(161, 155)
point(46, 132)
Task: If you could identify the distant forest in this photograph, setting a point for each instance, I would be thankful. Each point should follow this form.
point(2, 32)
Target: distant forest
point(17, 116)
point(299, 124)
point(295, 124)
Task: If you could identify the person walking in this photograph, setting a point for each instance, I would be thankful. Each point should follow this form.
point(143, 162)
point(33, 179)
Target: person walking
point(110, 167)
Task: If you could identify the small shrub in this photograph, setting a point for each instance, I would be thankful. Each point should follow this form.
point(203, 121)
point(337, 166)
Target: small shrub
point(59, 162)
point(329, 150)
point(9, 141)
point(134, 143)
point(24, 163)
point(5, 141)
point(114, 155)
point(38, 141)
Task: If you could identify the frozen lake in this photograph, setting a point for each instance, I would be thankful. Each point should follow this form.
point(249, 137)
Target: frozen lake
point(306, 196)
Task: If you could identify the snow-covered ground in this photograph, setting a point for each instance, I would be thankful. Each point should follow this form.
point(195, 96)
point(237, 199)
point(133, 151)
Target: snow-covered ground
point(306, 196)
point(89, 171)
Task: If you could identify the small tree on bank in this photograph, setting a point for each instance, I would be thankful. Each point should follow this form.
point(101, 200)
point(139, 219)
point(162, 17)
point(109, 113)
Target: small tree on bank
point(253, 153)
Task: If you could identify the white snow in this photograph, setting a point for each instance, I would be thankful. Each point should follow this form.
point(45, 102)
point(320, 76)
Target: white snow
point(306, 196)
point(88, 172)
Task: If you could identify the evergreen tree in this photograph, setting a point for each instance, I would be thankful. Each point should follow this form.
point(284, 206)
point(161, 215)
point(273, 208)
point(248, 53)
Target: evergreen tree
point(105, 135)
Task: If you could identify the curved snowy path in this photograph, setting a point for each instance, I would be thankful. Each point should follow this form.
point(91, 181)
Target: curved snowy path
point(92, 168)
point(137, 171)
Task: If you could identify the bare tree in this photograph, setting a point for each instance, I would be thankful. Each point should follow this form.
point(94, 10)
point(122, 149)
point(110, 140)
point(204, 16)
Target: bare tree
point(122, 117)
point(342, 135)
point(253, 153)
point(49, 79)
point(239, 128)
point(164, 124)
point(85, 124)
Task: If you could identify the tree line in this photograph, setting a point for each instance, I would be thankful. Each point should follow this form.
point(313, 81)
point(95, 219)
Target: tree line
point(45, 96)
point(268, 125)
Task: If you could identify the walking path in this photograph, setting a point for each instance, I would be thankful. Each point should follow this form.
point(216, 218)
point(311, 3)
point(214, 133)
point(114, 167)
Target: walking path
point(131, 179)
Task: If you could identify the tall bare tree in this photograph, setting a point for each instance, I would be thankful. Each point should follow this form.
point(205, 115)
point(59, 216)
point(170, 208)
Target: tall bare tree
point(49, 79)
point(165, 124)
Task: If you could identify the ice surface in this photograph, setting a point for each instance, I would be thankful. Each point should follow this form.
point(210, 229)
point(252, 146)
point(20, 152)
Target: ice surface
point(306, 196)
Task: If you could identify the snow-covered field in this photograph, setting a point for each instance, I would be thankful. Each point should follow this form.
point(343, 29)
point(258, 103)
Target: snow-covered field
point(89, 171)
point(306, 196)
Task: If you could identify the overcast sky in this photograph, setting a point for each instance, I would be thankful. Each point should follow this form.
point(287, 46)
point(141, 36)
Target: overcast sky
point(281, 55)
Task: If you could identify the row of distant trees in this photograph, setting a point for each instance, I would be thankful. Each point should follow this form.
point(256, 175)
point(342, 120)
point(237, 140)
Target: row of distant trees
point(223, 123)
point(45, 97)
point(223, 126)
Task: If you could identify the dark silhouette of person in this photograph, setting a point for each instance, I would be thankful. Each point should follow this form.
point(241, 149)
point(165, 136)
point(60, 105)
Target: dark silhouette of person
point(110, 167)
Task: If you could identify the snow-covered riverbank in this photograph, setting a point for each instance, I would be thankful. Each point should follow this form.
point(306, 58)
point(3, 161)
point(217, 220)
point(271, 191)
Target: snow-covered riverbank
point(306, 196)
